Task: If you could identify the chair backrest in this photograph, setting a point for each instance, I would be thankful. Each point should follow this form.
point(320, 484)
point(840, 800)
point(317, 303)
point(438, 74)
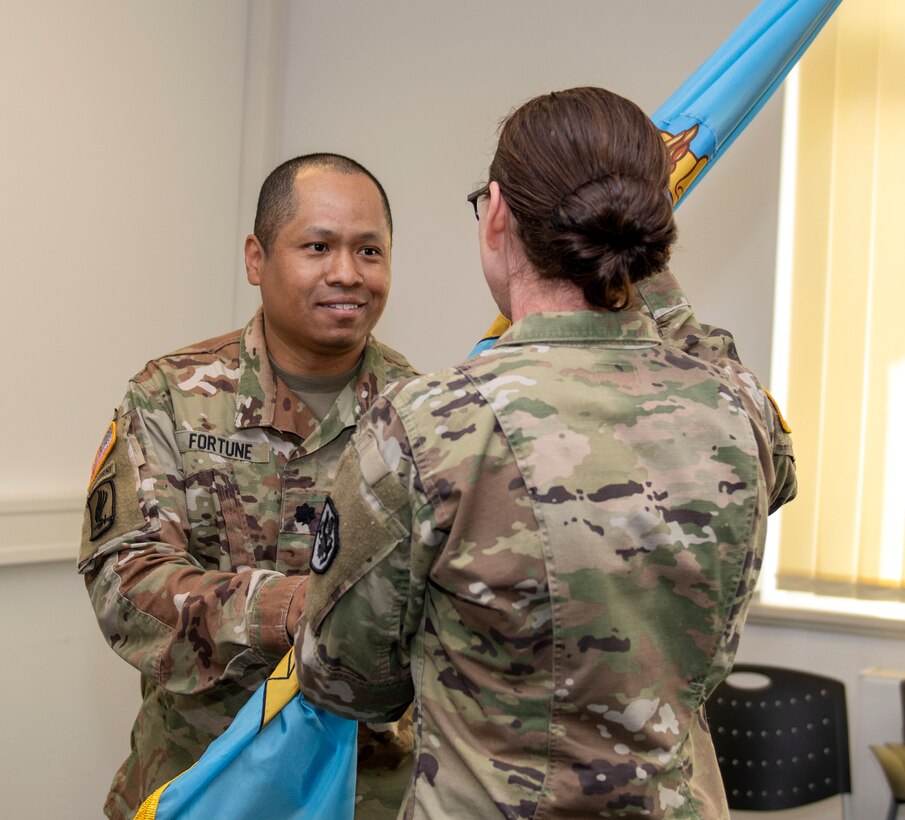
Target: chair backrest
point(781, 737)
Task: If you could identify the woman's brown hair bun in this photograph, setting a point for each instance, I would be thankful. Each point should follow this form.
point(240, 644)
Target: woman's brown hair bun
point(586, 174)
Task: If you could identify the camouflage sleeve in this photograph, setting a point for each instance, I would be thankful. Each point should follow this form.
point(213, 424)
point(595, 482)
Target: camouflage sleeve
point(662, 297)
point(364, 609)
point(184, 626)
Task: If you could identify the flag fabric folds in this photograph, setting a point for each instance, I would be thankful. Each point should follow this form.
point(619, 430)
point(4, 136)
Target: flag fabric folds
point(280, 758)
point(703, 117)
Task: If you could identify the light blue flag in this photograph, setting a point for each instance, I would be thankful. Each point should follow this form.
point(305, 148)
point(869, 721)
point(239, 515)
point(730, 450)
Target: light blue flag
point(715, 104)
point(702, 118)
point(281, 758)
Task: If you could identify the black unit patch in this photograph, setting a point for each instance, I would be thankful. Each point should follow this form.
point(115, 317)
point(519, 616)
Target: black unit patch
point(102, 509)
point(326, 542)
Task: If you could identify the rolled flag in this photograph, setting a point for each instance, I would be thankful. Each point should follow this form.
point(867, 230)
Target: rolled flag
point(702, 118)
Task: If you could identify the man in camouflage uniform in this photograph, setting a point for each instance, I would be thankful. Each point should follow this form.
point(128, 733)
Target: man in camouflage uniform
point(552, 548)
point(207, 490)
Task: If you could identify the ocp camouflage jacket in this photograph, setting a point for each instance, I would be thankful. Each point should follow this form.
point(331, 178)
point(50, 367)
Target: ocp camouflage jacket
point(198, 532)
point(552, 548)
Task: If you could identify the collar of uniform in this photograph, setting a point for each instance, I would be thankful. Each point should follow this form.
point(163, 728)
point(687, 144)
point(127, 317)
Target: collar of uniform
point(262, 399)
point(265, 401)
point(583, 326)
point(374, 373)
point(352, 399)
point(661, 294)
point(372, 378)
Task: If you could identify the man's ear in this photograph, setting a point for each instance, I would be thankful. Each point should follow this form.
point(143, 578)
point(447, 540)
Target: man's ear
point(254, 259)
point(496, 218)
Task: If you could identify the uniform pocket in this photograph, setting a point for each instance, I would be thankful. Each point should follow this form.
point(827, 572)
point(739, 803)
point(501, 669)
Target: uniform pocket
point(220, 533)
point(302, 508)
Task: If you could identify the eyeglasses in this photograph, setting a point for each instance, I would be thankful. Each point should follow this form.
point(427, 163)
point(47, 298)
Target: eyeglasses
point(474, 196)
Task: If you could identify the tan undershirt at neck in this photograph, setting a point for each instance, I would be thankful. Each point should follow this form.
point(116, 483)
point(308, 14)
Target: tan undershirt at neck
point(317, 392)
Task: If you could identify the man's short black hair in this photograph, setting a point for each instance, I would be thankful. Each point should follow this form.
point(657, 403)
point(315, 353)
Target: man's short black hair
point(276, 202)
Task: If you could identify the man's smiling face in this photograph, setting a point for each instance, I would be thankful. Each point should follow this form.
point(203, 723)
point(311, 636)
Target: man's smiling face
point(325, 281)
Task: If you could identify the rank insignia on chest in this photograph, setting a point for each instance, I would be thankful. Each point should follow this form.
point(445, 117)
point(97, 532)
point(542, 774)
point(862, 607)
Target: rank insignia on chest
point(326, 542)
point(103, 451)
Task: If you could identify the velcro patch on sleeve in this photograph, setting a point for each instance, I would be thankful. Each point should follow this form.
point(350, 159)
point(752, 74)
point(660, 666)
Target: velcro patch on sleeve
point(113, 507)
point(363, 533)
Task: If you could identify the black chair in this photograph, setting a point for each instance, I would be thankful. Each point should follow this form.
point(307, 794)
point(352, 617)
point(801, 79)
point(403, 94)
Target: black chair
point(781, 738)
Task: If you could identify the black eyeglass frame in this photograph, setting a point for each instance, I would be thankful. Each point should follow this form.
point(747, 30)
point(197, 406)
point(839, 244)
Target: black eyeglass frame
point(474, 196)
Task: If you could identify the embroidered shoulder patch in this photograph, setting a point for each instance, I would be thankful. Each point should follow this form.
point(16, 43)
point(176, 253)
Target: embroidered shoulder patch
point(101, 509)
point(326, 542)
point(103, 451)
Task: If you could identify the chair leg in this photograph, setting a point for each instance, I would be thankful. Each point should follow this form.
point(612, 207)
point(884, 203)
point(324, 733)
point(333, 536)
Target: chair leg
point(847, 812)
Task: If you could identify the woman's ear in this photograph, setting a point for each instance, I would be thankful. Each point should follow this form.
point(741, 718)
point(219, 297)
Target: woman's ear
point(496, 217)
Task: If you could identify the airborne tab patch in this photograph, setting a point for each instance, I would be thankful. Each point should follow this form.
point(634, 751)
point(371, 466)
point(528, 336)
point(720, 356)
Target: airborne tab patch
point(103, 451)
point(326, 542)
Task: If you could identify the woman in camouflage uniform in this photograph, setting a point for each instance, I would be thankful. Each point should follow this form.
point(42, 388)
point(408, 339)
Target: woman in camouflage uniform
point(551, 547)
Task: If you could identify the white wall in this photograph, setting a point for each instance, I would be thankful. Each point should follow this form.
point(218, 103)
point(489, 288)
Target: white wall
point(120, 171)
point(121, 147)
point(416, 91)
point(136, 137)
